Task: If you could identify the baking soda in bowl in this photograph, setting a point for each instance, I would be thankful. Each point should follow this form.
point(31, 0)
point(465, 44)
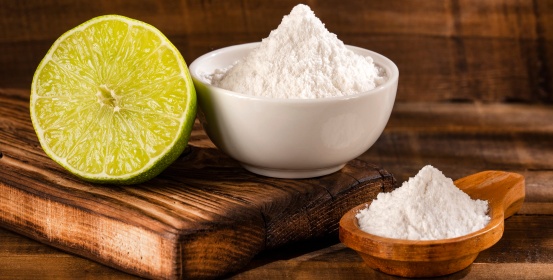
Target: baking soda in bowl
point(300, 59)
point(426, 207)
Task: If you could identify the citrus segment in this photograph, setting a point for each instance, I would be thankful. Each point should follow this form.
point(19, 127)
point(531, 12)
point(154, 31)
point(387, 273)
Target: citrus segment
point(112, 101)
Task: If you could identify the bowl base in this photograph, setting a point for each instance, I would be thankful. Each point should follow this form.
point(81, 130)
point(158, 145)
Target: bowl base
point(292, 173)
point(419, 269)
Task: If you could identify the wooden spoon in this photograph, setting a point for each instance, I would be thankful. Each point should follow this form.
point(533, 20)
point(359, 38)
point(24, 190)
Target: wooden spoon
point(504, 192)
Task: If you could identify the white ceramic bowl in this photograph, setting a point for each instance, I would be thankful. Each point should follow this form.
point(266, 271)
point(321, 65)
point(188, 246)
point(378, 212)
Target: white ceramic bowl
point(291, 138)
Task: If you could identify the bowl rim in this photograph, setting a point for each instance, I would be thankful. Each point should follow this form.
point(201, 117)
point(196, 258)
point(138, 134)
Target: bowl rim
point(389, 66)
point(380, 246)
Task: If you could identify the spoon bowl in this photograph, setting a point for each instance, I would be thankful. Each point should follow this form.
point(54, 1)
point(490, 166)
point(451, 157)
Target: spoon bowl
point(504, 192)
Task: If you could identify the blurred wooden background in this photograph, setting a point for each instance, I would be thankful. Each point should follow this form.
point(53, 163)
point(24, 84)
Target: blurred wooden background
point(446, 50)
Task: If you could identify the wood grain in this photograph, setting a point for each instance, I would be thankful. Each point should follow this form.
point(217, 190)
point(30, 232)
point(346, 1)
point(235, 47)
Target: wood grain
point(204, 216)
point(340, 262)
point(465, 138)
point(468, 50)
point(511, 137)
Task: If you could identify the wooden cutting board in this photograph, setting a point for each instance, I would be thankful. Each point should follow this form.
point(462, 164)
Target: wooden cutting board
point(203, 217)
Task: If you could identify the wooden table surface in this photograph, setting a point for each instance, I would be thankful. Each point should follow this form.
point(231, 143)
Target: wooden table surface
point(457, 138)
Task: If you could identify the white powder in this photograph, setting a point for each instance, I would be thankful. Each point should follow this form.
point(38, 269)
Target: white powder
point(300, 59)
point(426, 207)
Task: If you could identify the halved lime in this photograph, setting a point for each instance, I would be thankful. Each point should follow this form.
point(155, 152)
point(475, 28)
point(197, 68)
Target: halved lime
point(112, 101)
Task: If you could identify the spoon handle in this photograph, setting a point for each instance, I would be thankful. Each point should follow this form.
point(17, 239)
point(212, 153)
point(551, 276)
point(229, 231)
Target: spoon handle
point(499, 188)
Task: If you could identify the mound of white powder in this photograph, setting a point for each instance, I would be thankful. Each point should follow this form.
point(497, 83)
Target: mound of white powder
point(300, 59)
point(426, 207)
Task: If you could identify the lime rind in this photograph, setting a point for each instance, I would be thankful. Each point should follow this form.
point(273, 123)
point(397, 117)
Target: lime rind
point(81, 155)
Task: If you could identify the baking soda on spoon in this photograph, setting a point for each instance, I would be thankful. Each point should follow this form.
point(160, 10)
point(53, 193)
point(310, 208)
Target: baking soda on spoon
point(300, 59)
point(426, 207)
